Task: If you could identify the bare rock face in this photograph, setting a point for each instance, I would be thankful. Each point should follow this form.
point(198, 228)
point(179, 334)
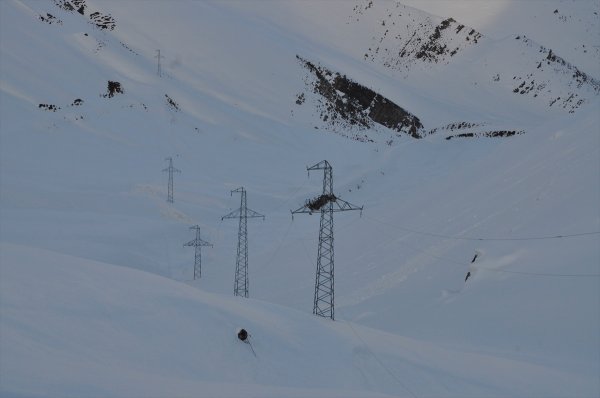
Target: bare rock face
point(49, 107)
point(346, 102)
point(113, 88)
point(552, 79)
point(49, 19)
point(100, 20)
point(103, 21)
point(409, 41)
point(405, 38)
point(441, 42)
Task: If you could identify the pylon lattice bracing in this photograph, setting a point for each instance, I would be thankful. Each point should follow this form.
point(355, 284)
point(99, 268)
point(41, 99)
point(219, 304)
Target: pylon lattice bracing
point(197, 243)
point(241, 284)
point(327, 203)
point(170, 170)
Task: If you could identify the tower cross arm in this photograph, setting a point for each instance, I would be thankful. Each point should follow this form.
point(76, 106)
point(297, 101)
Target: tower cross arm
point(249, 214)
point(173, 169)
point(233, 214)
point(323, 164)
point(252, 214)
point(304, 209)
point(342, 205)
point(198, 242)
point(338, 205)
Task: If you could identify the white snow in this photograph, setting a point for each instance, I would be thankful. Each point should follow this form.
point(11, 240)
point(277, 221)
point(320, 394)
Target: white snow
point(92, 329)
point(96, 296)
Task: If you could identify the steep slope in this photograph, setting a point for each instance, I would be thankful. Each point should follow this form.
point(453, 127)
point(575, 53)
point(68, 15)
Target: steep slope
point(410, 41)
point(81, 175)
point(570, 28)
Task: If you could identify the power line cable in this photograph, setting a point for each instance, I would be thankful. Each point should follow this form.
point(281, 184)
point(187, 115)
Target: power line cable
point(281, 241)
point(285, 201)
point(541, 273)
point(462, 263)
point(465, 264)
point(498, 270)
point(438, 235)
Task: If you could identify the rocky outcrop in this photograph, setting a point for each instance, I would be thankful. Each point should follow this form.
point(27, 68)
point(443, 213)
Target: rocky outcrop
point(345, 102)
point(403, 36)
point(100, 20)
point(552, 79)
point(113, 88)
point(489, 134)
point(172, 104)
point(413, 42)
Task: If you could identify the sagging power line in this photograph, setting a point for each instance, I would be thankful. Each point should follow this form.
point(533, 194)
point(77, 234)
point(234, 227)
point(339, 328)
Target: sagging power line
point(457, 237)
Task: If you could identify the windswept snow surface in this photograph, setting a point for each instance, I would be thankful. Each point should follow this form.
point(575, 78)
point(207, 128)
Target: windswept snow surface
point(112, 331)
point(96, 293)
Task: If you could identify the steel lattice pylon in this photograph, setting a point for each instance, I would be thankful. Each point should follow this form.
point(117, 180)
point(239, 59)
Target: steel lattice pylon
point(197, 243)
point(170, 170)
point(327, 203)
point(241, 265)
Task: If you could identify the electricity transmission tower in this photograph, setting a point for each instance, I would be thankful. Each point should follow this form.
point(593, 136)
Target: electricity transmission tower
point(197, 244)
point(327, 204)
point(241, 265)
point(159, 69)
point(170, 170)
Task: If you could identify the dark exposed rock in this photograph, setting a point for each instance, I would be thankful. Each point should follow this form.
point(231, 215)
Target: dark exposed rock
point(349, 102)
point(81, 10)
point(77, 102)
point(103, 21)
point(50, 19)
point(541, 83)
point(463, 135)
point(72, 5)
point(172, 103)
point(421, 39)
point(49, 107)
point(433, 48)
point(113, 88)
point(503, 133)
point(65, 5)
point(490, 134)
point(455, 126)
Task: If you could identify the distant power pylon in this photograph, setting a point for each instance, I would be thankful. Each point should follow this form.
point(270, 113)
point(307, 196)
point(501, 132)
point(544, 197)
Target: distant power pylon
point(197, 243)
point(158, 69)
point(241, 265)
point(327, 203)
point(170, 170)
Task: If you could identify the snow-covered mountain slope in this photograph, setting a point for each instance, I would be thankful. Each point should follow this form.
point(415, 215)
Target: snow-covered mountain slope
point(411, 42)
point(80, 175)
point(569, 27)
point(113, 332)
